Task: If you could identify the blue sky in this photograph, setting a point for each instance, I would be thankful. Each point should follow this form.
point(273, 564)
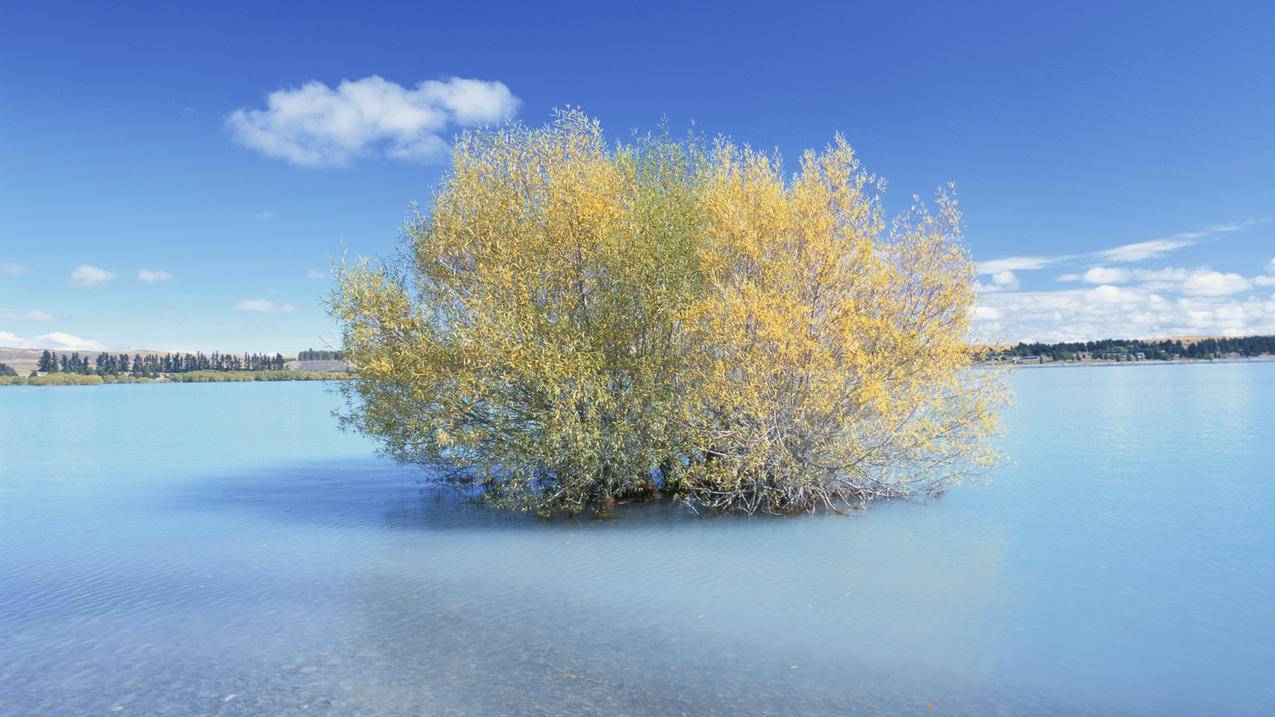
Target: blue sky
point(142, 138)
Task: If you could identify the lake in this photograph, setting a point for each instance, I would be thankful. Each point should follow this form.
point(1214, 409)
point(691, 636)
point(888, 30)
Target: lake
point(223, 549)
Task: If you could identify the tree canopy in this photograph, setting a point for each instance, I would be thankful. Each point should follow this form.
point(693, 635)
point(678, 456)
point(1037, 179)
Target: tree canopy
point(573, 324)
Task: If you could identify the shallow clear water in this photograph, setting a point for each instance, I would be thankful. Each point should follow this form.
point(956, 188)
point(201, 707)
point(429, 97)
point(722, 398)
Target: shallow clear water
point(223, 549)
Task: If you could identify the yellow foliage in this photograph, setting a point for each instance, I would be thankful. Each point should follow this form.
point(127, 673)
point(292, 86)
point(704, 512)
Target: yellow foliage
point(570, 320)
point(831, 363)
point(531, 342)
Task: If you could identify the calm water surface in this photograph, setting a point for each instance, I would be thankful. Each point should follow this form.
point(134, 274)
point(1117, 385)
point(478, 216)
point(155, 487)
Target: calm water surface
point(221, 549)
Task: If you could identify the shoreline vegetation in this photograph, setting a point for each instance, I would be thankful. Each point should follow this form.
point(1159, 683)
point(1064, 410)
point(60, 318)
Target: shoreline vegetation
point(1203, 349)
point(72, 369)
point(62, 379)
point(1102, 363)
point(8, 377)
point(288, 374)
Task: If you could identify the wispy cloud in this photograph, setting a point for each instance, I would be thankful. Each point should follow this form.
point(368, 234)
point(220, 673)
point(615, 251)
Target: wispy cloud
point(317, 126)
point(1143, 250)
point(1123, 254)
point(265, 306)
point(1140, 251)
point(13, 269)
point(263, 215)
point(1019, 263)
point(316, 274)
point(149, 276)
point(32, 315)
point(87, 276)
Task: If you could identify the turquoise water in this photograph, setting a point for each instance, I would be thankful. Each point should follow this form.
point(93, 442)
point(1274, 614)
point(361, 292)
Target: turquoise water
point(223, 549)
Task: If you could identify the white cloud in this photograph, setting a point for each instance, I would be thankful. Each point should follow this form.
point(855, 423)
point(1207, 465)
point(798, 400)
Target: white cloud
point(316, 274)
point(1127, 302)
point(1110, 275)
point(316, 126)
point(1196, 282)
point(1165, 274)
point(53, 340)
point(986, 313)
point(61, 340)
point(1108, 294)
point(1005, 280)
point(263, 215)
point(1109, 311)
point(87, 276)
point(147, 276)
point(1105, 275)
point(32, 315)
point(1001, 281)
point(265, 306)
point(13, 269)
point(1203, 282)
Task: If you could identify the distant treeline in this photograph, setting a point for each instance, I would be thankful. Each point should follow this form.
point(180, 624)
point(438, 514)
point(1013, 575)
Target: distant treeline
point(1164, 350)
point(93, 379)
point(314, 355)
point(109, 364)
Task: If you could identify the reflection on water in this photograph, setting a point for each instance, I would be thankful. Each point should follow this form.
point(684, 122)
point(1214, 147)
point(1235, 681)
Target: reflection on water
point(242, 557)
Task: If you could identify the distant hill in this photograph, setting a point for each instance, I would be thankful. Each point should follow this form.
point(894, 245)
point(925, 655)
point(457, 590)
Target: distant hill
point(24, 360)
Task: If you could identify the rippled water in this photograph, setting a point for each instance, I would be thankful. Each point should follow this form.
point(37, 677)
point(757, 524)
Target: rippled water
point(223, 549)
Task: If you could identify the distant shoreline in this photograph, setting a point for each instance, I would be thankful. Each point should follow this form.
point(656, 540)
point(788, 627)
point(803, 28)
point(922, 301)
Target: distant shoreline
point(1143, 362)
point(69, 379)
point(73, 379)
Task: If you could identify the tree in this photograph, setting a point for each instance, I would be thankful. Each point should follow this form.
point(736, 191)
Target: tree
point(319, 355)
point(536, 319)
point(570, 320)
point(830, 363)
